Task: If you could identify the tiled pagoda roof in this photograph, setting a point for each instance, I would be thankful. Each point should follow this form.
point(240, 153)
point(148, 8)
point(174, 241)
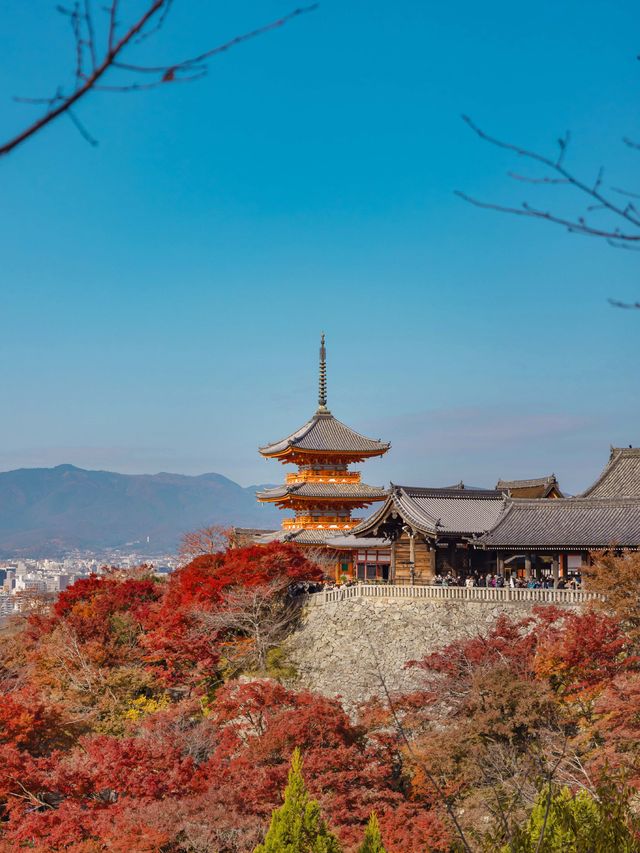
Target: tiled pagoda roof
point(621, 476)
point(438, 511)
point(310, 490)
point(330, 538)
point(324, 433)
point(301, 536)
point(580, 523)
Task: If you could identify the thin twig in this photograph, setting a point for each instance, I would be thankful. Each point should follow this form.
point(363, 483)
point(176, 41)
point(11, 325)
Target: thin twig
point(86, 80)
point(577, 227)
point(82, 129)
point(89, 83)
point(594, 190)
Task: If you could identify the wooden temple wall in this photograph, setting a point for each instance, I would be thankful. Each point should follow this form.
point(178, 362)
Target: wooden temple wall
point(424, 560)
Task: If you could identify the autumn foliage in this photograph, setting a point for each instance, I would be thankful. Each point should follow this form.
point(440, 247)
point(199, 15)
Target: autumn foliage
point(124, 725)
point(550, 702)
point(120, 729)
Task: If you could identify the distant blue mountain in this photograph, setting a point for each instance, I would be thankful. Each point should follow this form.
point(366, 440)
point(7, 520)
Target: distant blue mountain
point(45, 511)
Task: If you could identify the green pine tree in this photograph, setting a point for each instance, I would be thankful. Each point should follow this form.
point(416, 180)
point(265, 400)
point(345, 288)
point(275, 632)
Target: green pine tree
point(372, 842)
point(297, 826)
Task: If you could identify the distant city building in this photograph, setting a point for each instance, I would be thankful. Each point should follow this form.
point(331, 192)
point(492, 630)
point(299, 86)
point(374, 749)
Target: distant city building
point(23, 582)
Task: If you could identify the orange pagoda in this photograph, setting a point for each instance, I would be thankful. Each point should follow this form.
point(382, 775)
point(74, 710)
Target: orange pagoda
point(323, 492)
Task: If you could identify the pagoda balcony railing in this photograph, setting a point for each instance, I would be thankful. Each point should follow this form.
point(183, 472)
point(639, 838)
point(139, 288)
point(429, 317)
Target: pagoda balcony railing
point(326, 522)
point(324, 477)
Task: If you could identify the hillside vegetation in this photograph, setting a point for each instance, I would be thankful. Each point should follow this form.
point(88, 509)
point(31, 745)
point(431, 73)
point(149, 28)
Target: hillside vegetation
point(160, 716)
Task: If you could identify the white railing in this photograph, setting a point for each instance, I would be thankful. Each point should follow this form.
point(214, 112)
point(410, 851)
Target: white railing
point(453, 593)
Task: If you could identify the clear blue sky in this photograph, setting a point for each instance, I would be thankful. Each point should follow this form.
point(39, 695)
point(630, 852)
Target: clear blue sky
point(162, 295)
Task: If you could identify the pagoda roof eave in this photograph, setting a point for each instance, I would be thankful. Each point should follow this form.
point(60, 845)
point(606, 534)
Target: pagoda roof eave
point(292, 501)
point(323, 435)
point(325, 492)
point(295, 454)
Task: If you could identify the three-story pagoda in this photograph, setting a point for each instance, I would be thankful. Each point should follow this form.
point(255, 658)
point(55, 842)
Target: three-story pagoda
point(323, 492)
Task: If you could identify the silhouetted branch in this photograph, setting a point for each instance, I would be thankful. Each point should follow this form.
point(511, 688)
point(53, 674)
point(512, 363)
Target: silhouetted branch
point(92, 63)
point(82, 130)
point(562, 175)
point(578, 226)
point(618, 304)
point(625, 236)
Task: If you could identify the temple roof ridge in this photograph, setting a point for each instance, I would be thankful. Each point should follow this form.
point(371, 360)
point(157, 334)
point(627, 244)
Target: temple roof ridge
point(438, 511)
point(620, 477)
point(533, 481)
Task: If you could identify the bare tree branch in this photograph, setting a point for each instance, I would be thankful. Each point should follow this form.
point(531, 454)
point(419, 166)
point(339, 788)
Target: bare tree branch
point(81, 128)
point(91, 64)
point(207, 540)
point(579, 225)
point(619, 236)
point(251, 622)
point(618, 304)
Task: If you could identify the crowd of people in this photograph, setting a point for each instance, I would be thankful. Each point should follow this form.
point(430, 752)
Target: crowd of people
point(476, 580)
point(513, 581)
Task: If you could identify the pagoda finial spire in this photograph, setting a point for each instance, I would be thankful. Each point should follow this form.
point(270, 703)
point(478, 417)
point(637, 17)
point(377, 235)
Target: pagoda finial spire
point(322, 387)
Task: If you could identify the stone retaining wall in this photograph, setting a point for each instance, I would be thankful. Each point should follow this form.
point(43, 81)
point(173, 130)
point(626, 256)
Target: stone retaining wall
point(343, 648)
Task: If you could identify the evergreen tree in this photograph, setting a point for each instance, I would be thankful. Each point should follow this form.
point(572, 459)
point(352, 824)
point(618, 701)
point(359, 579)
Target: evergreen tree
point(372, 842)
point(297, 826)
point(576, 823)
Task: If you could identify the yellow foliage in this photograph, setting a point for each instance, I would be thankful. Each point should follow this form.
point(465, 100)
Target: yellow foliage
point(142, 706)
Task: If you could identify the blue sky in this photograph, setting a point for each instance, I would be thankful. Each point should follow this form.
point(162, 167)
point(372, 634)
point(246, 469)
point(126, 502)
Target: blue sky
point(162, 294)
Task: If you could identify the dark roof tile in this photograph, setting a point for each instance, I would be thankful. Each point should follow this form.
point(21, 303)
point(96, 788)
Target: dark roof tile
point(580, 523)
point(439, 511)
point(621, 476)
point(324, 490)
point(326, 433)
point(550, 480)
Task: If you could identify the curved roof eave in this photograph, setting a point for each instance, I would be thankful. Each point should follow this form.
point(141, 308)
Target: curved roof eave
point(326, 434)
point(565, 528)
point(403, 508)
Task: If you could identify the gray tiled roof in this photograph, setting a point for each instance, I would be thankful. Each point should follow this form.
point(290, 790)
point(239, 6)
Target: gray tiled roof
point(324, 432)
point(253, 531)
point(550, 480)
point(358, 542)
point(621, 476)
point(324, 490)
point(580, 523)
point(439, 511)
point(302, 537)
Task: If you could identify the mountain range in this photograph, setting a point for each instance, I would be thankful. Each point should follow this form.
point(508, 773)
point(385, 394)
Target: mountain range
point(51, 511)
